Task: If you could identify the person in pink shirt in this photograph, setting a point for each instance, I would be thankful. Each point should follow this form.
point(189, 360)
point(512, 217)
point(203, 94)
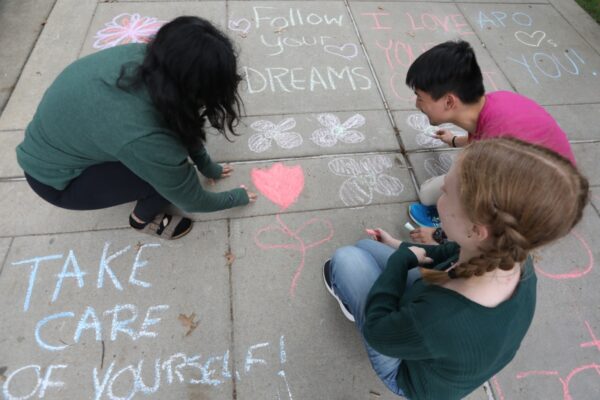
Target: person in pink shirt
point(449, 87)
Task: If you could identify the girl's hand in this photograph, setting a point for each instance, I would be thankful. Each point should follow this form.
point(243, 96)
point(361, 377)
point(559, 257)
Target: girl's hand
point(227, 170)
point(422, 235)
point(421, 255)
point(382, 236)
point(251, 195)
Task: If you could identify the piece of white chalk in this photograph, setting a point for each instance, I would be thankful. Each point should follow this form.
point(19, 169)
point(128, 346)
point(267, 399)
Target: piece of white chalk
point(409, 226)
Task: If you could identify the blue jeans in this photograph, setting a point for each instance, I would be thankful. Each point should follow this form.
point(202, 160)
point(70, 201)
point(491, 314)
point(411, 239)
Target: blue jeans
point(354, 270)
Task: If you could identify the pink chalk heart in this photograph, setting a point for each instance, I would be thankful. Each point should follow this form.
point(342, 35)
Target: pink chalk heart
point(280, 184)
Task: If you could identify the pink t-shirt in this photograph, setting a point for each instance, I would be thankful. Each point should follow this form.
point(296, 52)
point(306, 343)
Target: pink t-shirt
point(510, 114)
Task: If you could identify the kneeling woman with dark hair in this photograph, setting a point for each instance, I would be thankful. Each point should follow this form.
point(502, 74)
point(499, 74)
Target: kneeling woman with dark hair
point(119, 126)
point(438, 321)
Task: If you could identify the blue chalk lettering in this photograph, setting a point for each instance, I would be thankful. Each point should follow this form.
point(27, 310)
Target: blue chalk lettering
point(137, 264)
point(167, 365)
point(524, 63)
point(83, 325)
point(43, 322)
point(71, 260)
point(99, 386)
point(104, 266)
point(207, 373)
point(574, 71)
point(121, 325)
point(538, 56)
point(523, 17)
point(35, 264)
point(287, 385)
point(500, 17)
point(131, 394)
point(483, 20)
point(6, 386)
point(249, 357)
point(572, 51)
point(225, 373)
point(282, 355)
point(46, 382)
point(140, 386)
point(151, 321)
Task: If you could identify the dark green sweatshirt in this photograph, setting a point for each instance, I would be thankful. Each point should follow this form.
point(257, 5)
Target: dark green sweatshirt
point(448, 344)
point(85, 119)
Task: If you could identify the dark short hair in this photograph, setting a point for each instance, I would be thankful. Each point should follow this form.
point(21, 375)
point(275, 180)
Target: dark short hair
point(449, 67)
point(190, 71)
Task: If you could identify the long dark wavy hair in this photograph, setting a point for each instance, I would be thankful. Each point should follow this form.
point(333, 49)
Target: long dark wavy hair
point(190, 71)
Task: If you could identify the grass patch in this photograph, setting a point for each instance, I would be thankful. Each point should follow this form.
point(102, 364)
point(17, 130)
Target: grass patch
point(592, 7)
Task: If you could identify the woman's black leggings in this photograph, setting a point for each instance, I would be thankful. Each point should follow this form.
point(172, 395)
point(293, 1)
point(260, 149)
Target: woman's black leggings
point(101, 186)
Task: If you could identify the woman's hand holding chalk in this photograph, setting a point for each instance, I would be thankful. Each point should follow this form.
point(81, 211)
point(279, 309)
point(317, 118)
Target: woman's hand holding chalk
point(382, 236)
point(374, 233)
point(409, 227)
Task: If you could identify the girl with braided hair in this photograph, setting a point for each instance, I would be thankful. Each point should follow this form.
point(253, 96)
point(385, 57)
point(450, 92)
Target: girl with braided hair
point(438, 321)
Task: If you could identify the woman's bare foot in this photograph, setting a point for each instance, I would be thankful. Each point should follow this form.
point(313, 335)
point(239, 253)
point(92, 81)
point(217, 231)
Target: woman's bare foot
point(423, 236)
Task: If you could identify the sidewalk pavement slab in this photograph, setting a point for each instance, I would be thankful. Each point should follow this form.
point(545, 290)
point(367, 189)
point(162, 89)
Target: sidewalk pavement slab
point(57, 47)
point(24, 213)
point(106, 305)
point(321, 346)
point(303, 56)
point(580, 20)
point(541, 54)
point(27, 17)
point(579, 121)
point(395, 34)
point(8, 142)
point(109, 16)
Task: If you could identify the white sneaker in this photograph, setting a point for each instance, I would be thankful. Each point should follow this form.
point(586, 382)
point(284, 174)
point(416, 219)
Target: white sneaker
point(327, 280)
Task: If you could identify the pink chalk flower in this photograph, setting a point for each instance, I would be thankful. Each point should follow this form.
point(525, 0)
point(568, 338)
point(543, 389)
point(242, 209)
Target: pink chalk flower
point(127, 28)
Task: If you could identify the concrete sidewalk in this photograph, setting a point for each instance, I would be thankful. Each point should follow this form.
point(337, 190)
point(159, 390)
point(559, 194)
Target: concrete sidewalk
point(237, 309)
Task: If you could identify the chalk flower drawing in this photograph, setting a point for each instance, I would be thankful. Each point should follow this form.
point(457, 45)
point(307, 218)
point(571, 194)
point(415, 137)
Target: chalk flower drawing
point(365, 177)
point(127, 28)
point(268, 131)
point(426, 136)
point(439, 165)
point(334, 130)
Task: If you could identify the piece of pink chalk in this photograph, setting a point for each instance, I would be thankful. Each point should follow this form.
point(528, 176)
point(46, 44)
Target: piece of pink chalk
point(374, 234)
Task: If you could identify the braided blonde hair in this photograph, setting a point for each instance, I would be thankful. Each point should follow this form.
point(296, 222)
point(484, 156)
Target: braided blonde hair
point(526, 195)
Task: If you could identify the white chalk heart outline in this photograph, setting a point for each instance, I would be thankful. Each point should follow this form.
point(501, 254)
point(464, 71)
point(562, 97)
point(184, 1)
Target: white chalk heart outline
point(339, 50)
point(530, 36)
point(236, 25)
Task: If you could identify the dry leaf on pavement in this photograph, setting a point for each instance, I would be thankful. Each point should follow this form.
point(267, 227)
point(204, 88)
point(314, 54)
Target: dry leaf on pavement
point(188, 322)
point(230, 257)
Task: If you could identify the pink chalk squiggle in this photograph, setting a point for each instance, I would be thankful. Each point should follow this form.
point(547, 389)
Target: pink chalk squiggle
point(298, 244)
